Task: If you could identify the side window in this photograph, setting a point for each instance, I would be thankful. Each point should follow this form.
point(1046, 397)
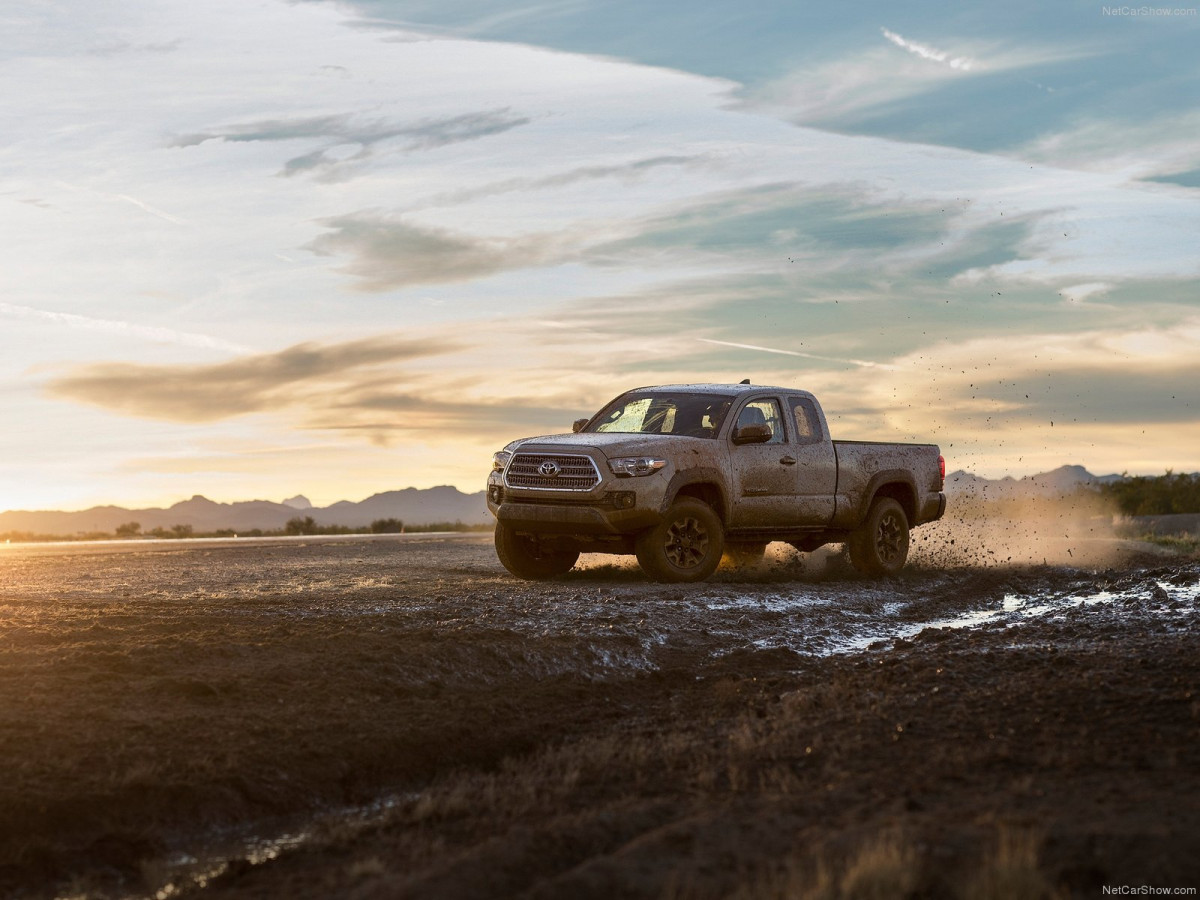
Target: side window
point(808, 424)
point(759, 412)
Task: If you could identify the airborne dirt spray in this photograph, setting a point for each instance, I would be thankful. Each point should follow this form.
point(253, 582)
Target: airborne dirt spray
point(1075, 530)
point(976, 532)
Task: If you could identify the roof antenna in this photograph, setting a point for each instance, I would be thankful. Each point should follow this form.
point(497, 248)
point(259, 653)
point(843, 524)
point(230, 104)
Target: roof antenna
point(744, 381)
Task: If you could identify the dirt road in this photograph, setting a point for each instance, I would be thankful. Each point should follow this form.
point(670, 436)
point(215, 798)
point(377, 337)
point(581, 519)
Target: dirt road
point(396, 716)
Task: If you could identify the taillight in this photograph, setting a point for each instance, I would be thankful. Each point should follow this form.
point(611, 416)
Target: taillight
point(942, 468)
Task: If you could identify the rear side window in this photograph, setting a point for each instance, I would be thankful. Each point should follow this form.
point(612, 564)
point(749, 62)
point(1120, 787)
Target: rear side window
point(808, 423)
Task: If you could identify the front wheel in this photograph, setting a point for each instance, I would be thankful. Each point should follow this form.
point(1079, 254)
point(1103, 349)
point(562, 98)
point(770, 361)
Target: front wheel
point(879, 546)
point(685, 546)
point(527, 558)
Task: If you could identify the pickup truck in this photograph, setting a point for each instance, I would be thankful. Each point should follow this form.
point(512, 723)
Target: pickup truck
point(683, 474)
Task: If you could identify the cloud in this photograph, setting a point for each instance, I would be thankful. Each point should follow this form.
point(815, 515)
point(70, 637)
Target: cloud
point(388, 252)
point(939, 56)
point(121, 47)
point(268, 381)
point(851, 89)
point(825, 228)
point(1189, 179)
point(1116, 398)
point(1153, 148)
point(123, 329)
point(350, 139)
point(376, 389)
point(378, 415)
point(1079, 294)
point(833, 359)
point(819, 226)
point(627, 170)
point(419, 135)
point(154, 211)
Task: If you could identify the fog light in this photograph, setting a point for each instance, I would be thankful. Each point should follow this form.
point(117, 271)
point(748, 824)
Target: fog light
point(623, 499)
point(495, 493)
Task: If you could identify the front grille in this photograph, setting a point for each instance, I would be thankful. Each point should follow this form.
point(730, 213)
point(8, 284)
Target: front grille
point(575, 473)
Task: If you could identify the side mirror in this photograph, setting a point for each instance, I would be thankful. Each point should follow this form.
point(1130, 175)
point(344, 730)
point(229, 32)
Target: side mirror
point(577, 425)
point(752, 434)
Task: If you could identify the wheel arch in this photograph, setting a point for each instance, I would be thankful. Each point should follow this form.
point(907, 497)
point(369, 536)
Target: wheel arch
point(702, 484)
point(899, 486)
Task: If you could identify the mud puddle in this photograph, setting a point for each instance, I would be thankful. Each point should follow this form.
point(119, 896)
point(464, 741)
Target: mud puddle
point(226, 856)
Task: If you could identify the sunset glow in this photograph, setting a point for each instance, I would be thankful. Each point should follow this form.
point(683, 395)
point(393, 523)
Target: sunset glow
point(341, 248)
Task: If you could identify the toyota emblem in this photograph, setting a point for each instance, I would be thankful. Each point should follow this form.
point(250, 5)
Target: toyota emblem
point(549, 469)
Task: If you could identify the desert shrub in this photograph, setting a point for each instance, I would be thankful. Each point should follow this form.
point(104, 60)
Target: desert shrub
point(1161, 495)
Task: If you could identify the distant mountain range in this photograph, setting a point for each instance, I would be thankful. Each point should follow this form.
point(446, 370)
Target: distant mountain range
point(424, 507)
point(412, 506)
point(1057, 482)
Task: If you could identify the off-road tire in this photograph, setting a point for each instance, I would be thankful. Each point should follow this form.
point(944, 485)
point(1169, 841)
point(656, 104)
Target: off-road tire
point(879, 547)
point(526, 558)
point(685, 546)
point(744, 554)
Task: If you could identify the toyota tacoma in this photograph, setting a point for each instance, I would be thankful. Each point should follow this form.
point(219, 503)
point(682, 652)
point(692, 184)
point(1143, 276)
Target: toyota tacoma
point(680, 475)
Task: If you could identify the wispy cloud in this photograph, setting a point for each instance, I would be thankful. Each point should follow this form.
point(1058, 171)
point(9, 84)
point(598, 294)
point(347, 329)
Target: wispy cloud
point(349, 139)
point(388, 252)
point(372, 389)
point(629, 170)
point(1131, 148)
point(123, 198)
point(154, 211)
point(932, 54)
point(123, 329)
point(828, 226)
point(120, 47)
point(421, 134)
point(267, 381)
point(863, 83)
point(849, 362)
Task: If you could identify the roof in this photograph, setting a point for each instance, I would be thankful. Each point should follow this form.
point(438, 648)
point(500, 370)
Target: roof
point(719, 388)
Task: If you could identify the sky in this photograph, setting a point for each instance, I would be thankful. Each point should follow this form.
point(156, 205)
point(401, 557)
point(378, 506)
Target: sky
point(258, 248)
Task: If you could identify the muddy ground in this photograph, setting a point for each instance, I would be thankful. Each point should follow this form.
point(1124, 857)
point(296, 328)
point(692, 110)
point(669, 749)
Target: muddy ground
point(398, 717)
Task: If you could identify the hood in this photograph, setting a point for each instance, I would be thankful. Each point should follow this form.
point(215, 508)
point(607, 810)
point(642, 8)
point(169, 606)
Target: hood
point(612, 444)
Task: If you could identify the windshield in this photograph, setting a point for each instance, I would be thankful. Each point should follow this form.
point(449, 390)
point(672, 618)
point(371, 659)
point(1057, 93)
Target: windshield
point(690, 415)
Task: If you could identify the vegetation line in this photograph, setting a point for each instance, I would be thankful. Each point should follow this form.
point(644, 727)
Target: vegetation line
point(295, 526)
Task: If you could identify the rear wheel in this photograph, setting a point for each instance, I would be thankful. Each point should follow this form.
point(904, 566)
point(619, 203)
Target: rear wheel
point(880, 545)
point(528, 558)
point(685, 546)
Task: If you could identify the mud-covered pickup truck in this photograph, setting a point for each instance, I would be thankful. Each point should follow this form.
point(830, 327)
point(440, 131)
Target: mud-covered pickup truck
point(681, 474)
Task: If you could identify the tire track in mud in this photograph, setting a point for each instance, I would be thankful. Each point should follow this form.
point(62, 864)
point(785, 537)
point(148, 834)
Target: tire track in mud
point(604, 621)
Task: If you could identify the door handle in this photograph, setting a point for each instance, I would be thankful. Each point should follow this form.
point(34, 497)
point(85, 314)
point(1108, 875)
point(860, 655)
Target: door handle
point(788, 461)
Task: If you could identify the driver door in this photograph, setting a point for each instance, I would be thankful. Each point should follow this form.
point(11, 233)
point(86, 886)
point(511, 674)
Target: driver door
point(764, 482)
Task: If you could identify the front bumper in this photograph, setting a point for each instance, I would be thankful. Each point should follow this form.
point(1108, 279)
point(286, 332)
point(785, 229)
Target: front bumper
point(617, 506)
point(573, 518)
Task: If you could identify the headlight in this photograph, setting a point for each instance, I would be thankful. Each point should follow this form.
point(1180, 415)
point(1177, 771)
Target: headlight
point(636, 465)
point(500, 459)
